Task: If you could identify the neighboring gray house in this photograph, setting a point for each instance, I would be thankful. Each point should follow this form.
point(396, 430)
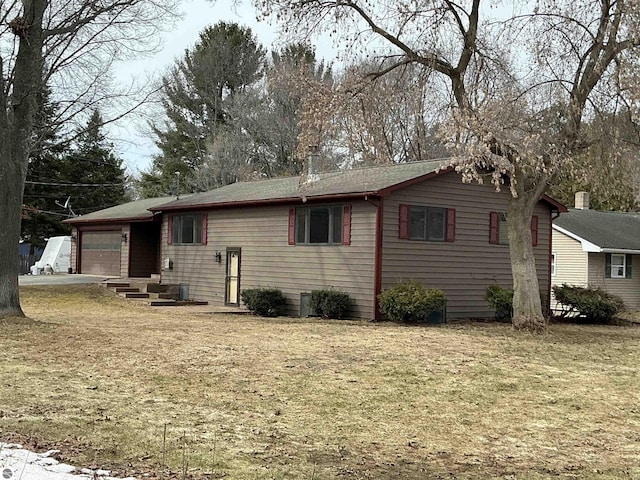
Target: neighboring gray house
point(598, 250)
point(357, 231)
point(120, 241)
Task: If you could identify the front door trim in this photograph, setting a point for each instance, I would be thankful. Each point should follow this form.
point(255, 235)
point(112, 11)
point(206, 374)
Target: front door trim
point(232, 282)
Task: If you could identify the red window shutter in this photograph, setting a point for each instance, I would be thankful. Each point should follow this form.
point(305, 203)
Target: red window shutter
point(169, 229)
point(346, 225)
point(451, 225)
point(534, 230)
point(494, 228)
point(403, 232)
point(292, 226)
point(205, 218)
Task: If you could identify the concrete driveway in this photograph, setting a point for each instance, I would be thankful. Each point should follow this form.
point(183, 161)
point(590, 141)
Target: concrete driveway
point(60, 279)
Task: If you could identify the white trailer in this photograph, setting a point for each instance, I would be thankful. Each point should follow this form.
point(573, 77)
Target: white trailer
point(56, 257)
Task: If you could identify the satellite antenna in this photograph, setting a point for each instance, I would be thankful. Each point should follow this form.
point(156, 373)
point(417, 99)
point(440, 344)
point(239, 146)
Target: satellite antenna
point(66, 206)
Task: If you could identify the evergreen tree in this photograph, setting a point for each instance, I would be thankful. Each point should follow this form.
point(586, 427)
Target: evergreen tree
point(92, 164)
point(41, 216)
point(197, 95)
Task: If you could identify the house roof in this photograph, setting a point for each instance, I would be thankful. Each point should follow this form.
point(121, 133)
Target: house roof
point(378, 180)
point(601, 231)
point(137, 211)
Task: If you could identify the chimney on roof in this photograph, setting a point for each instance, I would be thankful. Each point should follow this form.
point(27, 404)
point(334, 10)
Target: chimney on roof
point(582, 200)
point(313, 157)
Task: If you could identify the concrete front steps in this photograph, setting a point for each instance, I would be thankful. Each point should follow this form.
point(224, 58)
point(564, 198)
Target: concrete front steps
point(151, 292)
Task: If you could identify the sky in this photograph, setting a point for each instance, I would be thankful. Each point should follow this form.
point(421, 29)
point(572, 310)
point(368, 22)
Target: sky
point(134, 144)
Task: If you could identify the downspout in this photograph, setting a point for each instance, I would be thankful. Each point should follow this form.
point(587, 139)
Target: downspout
point(377, 269)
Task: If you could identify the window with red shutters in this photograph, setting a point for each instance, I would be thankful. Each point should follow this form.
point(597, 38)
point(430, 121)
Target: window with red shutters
point(433, 224)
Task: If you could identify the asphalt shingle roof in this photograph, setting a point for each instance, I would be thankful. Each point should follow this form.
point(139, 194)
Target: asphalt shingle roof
point(358, 180)
point(607, 230)
point(131, 211)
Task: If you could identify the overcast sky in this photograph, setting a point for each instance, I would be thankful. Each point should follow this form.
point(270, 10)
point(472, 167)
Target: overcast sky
point(133, 144)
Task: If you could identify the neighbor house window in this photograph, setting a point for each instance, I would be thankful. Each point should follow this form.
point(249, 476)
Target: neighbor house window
point(188, 229)
point(499, 230)
point(553, 264)
point(434, 224)
point(618, 265)
point(325, 225)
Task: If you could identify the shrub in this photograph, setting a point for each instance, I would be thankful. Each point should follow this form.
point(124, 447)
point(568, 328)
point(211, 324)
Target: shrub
point(410, 301)
point(501, 300)
point(329, 303)
point(266, 302)
point(592, 304)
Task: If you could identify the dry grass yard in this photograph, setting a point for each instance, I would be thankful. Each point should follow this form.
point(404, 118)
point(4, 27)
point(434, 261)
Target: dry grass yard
point(251, 398)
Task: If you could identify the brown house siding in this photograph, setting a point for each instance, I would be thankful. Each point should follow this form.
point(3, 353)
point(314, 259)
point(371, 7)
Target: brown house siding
point(268, 261)
point(465, 267)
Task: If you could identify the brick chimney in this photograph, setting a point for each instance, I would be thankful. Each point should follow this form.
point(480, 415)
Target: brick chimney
point(582, 200)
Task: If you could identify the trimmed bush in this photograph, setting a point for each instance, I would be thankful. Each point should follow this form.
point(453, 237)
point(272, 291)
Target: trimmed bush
point(592, 304)
point(410, 301)
point(501, 300)
point(329, 303)
point(266, 302)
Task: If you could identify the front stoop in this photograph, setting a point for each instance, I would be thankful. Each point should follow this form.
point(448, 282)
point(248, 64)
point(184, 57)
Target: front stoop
point(150, 292)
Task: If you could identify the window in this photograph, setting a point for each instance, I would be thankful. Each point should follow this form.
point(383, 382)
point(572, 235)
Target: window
point(326, 225)
point(434, 224)
point(499, 230)
point(427, 223)
point(553, 264)
point(188, 229)
point(618, 265)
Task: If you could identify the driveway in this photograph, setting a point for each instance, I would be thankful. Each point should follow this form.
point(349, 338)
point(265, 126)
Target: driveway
point(60, 279)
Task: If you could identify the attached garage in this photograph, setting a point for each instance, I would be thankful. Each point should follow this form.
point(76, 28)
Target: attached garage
point(100, 252)
point(121, 241)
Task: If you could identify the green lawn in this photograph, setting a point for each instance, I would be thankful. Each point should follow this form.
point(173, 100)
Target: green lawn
point(250, 398)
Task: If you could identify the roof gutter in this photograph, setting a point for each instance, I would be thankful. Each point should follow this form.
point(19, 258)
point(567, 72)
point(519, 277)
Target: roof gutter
point(271, 201)
point(620, 250)
point(80, 220)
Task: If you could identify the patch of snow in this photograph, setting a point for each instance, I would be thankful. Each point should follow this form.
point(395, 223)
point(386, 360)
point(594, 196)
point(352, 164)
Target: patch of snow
point(17, 463)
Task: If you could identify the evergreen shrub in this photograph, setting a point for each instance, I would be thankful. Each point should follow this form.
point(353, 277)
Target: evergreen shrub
point(410, 301)
point(266, 302)
point(330, 303)
point(593, 305)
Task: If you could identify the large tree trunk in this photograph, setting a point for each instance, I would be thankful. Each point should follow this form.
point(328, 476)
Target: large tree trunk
point(16, 126)
point(527, 306)
point(11, 186)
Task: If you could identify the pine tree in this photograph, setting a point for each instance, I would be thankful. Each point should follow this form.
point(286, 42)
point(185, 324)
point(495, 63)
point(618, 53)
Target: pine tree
point(197, 96)
point(91, 162)
point(41, 216)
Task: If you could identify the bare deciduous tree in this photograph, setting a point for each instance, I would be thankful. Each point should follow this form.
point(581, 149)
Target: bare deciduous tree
point(522, 78)
point(69, 46)
point(388, 119)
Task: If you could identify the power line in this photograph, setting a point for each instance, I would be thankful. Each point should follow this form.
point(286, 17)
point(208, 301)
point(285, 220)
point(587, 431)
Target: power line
point(24, 207)
point(54, 184)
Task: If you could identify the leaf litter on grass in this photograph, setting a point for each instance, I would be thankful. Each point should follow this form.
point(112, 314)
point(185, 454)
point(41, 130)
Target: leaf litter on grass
point(295, 398)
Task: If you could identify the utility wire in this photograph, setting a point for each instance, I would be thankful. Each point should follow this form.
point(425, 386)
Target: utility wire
point(53, 184)
point(48, 211)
